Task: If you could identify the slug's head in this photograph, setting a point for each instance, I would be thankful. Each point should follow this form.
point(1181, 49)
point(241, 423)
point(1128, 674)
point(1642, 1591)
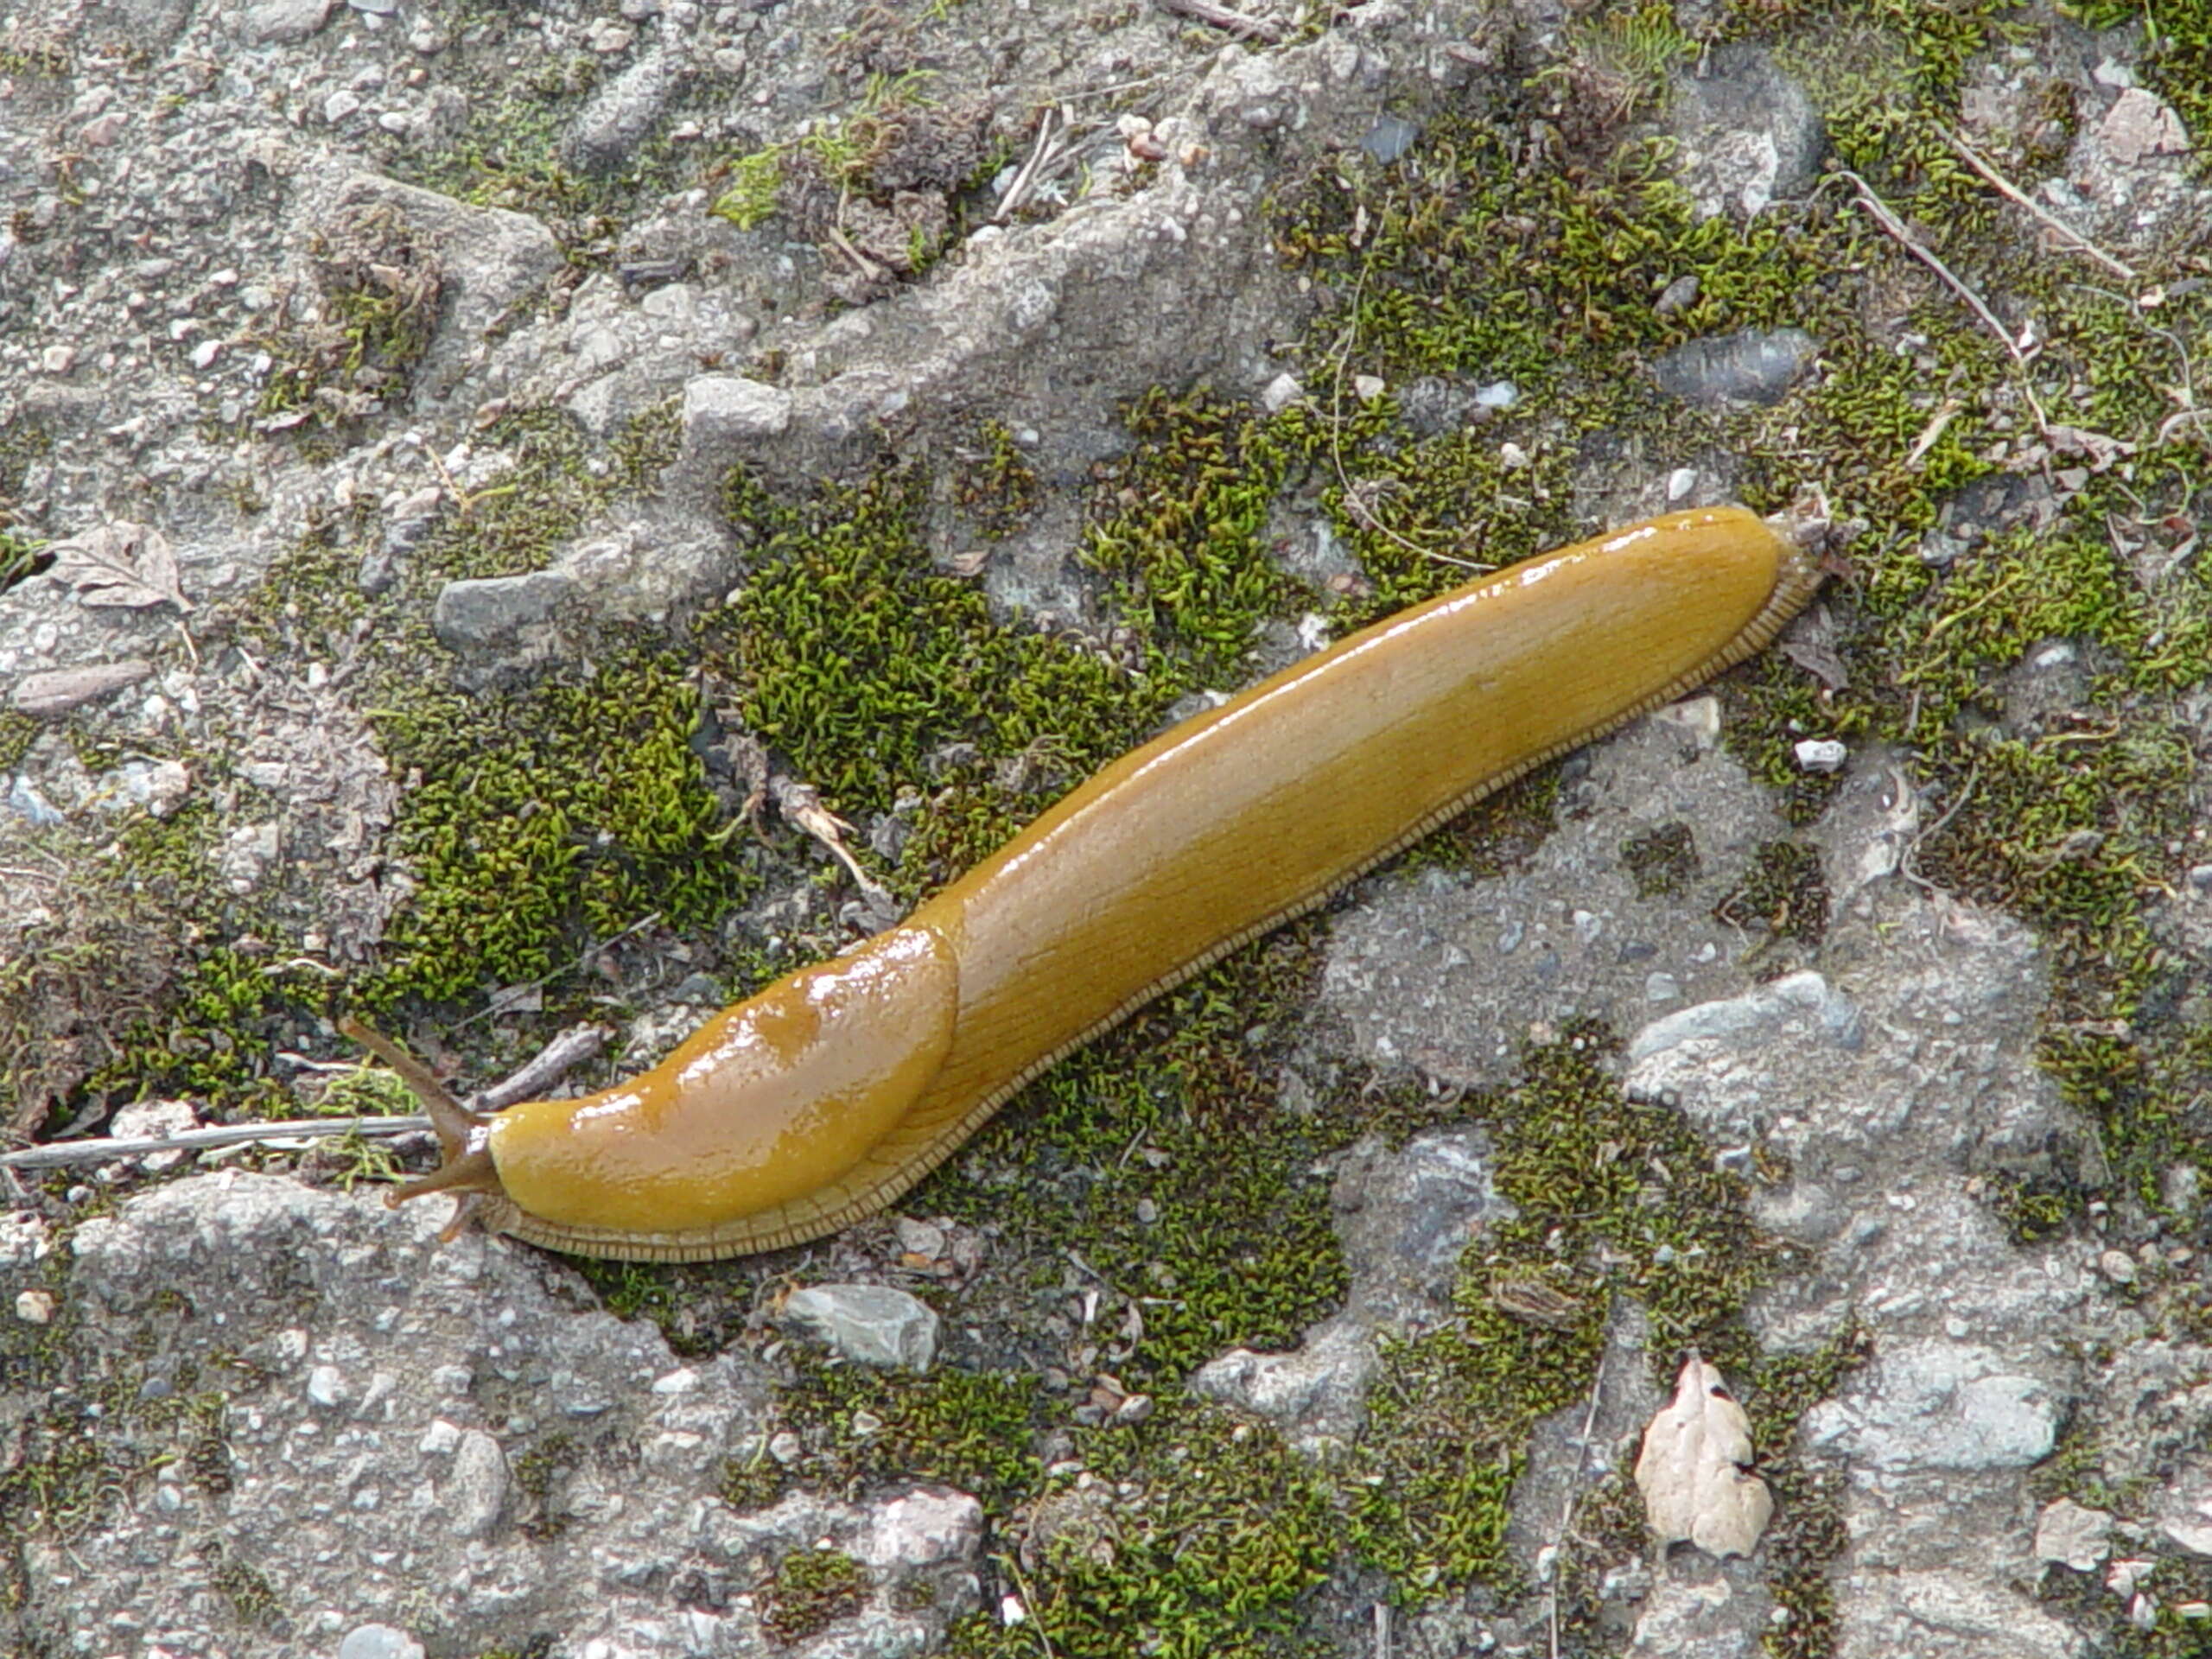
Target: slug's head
point(465, 1169)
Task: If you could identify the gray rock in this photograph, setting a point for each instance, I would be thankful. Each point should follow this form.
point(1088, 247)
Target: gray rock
point(475, 1497)
point(282, 23)
point(1801, 1007)
point(620, 117)
point(23, 800)
point(2072, 1536)
point(1749, 134)
point(57, 690)
point(874, 1325)
point(1450, 975)
point(379, 1642)
point(498, 612)
point(1390, 138)
point(1753, 365)
point(1937, 1405)
point(377, 1388)
point(603, 405)
point(148, 23)
point(1405, 1218)
point(1316, 1394)
point(924, 1528)
point(725, 412)
point(1714, 1616)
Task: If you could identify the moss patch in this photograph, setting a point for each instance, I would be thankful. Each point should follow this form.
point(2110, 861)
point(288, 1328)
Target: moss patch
point(812, 1589)
point(549, 819)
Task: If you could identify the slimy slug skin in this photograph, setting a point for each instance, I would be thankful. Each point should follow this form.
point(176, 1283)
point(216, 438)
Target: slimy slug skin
point(824, 1098)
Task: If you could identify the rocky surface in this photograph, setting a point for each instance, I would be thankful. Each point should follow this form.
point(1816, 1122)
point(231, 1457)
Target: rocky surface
point(243, 1414)
point(441, 1436)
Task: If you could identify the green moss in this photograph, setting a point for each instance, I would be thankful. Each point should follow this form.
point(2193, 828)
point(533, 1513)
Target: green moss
point(22, 441)
point(1662, 861)
point(973, 1430)
point(22, 557)
point(252, 1598)
point(66, 1477)
point(997, 487)
point(812, 1589)
point(379, 289)
point(1163, 1155)
point(1615, 1198)
point(754, 192)
point(1203, 1536)
point(17, 732)
point(537, 1474)
point(212, 1041)
point(1180, 529)
point(512, 524)
point(508, 155)
point(35, 55)
point(861, 663)
point(1784, 896)
point(548, 819)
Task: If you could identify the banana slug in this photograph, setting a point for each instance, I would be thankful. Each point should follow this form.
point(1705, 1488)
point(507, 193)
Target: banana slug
point(822, 1098)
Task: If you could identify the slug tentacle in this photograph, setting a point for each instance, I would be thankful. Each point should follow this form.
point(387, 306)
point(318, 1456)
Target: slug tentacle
point(825, 1098)
point(465, 1167)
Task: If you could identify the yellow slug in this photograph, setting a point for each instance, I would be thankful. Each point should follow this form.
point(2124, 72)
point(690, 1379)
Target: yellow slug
point(824, 1098)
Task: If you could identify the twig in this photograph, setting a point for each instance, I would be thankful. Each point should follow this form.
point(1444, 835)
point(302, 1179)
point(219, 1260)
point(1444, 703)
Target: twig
point(501, 1004)
point(2072, 239)
point(1382, 1629)
point(1028, 1604)
point(801, 804)
point(1235, 22)
point(1931, 433)
point(1879, 211)
point(99, 1148)
point(1366, 515)
point(1567, 1506)
point(570, 1048)
point(1049, 143)
point(870, 271)
point(1909, 861)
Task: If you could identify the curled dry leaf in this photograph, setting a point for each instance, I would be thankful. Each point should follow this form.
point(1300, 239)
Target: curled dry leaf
point(119, 564)
point(1695, 1468)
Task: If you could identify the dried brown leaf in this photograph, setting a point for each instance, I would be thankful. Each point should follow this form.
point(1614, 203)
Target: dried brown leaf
point(120, 565)
point(1695, 1468)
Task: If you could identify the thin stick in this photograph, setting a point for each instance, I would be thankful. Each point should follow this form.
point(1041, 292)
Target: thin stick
point(1366, 515)
point(1909, 861)
point(1567, 1507)
point(2072, 239)
point(500, 1004)
point(1235, 22)
point(99, 1148)
point(1879, 211)
point(1044, 151)
point(576, 1044)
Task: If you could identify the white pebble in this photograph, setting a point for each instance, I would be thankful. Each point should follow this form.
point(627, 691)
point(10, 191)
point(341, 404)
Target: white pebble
point(1821, 754)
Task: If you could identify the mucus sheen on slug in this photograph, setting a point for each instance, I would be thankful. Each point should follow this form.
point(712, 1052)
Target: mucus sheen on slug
point(824, 1098)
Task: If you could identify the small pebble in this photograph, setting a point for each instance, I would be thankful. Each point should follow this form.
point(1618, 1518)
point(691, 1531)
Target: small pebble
point(1821, 754)
point(34, 1306)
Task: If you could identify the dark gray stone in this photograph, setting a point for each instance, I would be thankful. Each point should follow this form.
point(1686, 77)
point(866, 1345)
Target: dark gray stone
point(1753, 365)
